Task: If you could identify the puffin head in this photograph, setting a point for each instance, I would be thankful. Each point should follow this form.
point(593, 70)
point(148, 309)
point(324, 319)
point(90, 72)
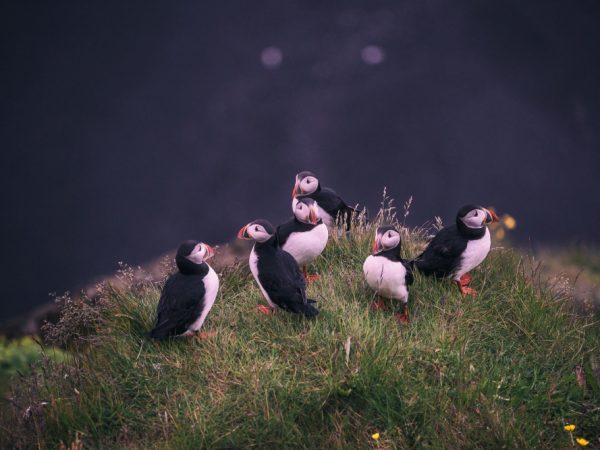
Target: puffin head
point(474, 216)
point(305, 210)
point(306, 183)
point(386, 238)
point(259, 230)
point(192, 254)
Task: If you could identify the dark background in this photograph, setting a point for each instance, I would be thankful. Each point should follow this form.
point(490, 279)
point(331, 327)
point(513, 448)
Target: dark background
point(128, 127)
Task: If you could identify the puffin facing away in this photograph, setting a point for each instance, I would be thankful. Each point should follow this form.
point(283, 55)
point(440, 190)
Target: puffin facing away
point(331, 205)
point(386, 272)
point(457, 249)
point(187, 295)
point(275, 271)
point(305, 235)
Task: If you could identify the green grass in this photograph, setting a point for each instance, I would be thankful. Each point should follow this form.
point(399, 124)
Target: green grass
point(495, 371)
point(18, 356)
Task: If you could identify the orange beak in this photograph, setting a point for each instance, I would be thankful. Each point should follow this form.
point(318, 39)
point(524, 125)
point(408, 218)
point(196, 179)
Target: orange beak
point(376, 245)
point(296, 189)
point(243, 233)
point(491, 216)
point(312, 216)
point(211, 251)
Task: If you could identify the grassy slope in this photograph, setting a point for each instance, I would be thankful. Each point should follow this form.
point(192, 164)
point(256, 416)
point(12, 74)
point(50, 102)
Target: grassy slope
point(493, 371)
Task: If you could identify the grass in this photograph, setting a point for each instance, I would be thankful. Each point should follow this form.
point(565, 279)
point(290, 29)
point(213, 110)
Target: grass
point(495, 371)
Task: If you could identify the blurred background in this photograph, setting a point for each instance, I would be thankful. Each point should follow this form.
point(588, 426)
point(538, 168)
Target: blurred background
point(128, 127)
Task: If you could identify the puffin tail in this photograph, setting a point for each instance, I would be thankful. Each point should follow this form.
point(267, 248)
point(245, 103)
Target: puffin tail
point(308, 309)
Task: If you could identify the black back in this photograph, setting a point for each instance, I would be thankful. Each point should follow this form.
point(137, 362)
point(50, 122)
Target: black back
point(442, 256)
point(182, 297)
point(281, 278)
point(331, 202)
point(290, 226)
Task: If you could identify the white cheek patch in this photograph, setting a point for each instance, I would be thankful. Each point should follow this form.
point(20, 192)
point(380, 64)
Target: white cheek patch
point(196, 257)
point(474, 221)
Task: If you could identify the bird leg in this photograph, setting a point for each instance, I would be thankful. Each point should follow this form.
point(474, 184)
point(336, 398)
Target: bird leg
point(402, 318)
point(466, 279)
point(309, 277)
point(378, 304)
point(464, 289)
point(202, 335)
point(265, 309)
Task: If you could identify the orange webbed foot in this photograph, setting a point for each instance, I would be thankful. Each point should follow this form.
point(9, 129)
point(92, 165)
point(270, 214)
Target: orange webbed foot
point(206, 334)
point(378, 305)
point(264, 309)
point(402, 318)
point(311, 278)
point(465, 290)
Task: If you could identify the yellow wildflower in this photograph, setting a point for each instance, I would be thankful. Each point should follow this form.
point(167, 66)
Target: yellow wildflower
point(569, 427)
point(510, 222)
point(500, 234)
point(583, 442)
point(375, 436)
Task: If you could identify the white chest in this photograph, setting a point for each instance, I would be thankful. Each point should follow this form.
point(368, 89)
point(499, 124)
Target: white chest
point(305, 247)
point(474, 254)
point(211, 288)
point(387, 278)
point(253, 263)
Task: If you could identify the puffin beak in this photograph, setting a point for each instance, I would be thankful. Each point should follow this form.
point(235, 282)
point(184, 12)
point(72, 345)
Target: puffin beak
point(376, 245)
point(490, 216)
point(312, 216)
point(211, 251)
point(296, 190)
point(243, 233)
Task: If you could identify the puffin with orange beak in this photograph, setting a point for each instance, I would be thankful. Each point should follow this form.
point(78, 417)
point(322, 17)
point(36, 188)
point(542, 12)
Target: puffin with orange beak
point(276, 271)
point(188, 295)
point(304, 236)
point(386, 272)
point(330, 205)
point(459, 248)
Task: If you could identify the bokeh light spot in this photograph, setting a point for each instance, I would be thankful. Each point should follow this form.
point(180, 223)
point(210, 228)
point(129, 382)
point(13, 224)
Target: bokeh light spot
point(372, 54)
point(271, 57)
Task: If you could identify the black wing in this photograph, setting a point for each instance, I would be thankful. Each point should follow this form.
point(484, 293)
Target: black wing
point(286, 286)
point(331, 202)
point(181, 302)
point(408, 278)
point(442, 255)
point(291, 226)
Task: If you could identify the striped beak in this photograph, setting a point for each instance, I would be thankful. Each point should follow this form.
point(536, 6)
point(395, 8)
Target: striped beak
point(376, 245)
point(313, 216)
point(243, 233)
point(490, 216)
point(296, 189)
point(210, 251)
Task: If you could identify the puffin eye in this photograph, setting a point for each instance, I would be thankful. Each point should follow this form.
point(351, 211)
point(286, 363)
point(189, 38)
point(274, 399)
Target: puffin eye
point(476, 212)
point(255, 228)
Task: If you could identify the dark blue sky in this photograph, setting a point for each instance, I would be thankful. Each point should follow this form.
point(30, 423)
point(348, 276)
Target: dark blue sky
point(127, 128)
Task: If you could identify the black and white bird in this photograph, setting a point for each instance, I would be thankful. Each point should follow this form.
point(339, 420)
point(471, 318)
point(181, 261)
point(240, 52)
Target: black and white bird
point(188, 295)
point(305, 235)
point(331, 205)
point(386, 272)
point(276, 271)
point(457, 249)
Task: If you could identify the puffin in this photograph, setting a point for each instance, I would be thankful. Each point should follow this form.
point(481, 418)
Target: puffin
point(188, 295)
point(331, 205)
point(457, 249)
point(304, 236)
point(276, 271)
point(386, 272)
